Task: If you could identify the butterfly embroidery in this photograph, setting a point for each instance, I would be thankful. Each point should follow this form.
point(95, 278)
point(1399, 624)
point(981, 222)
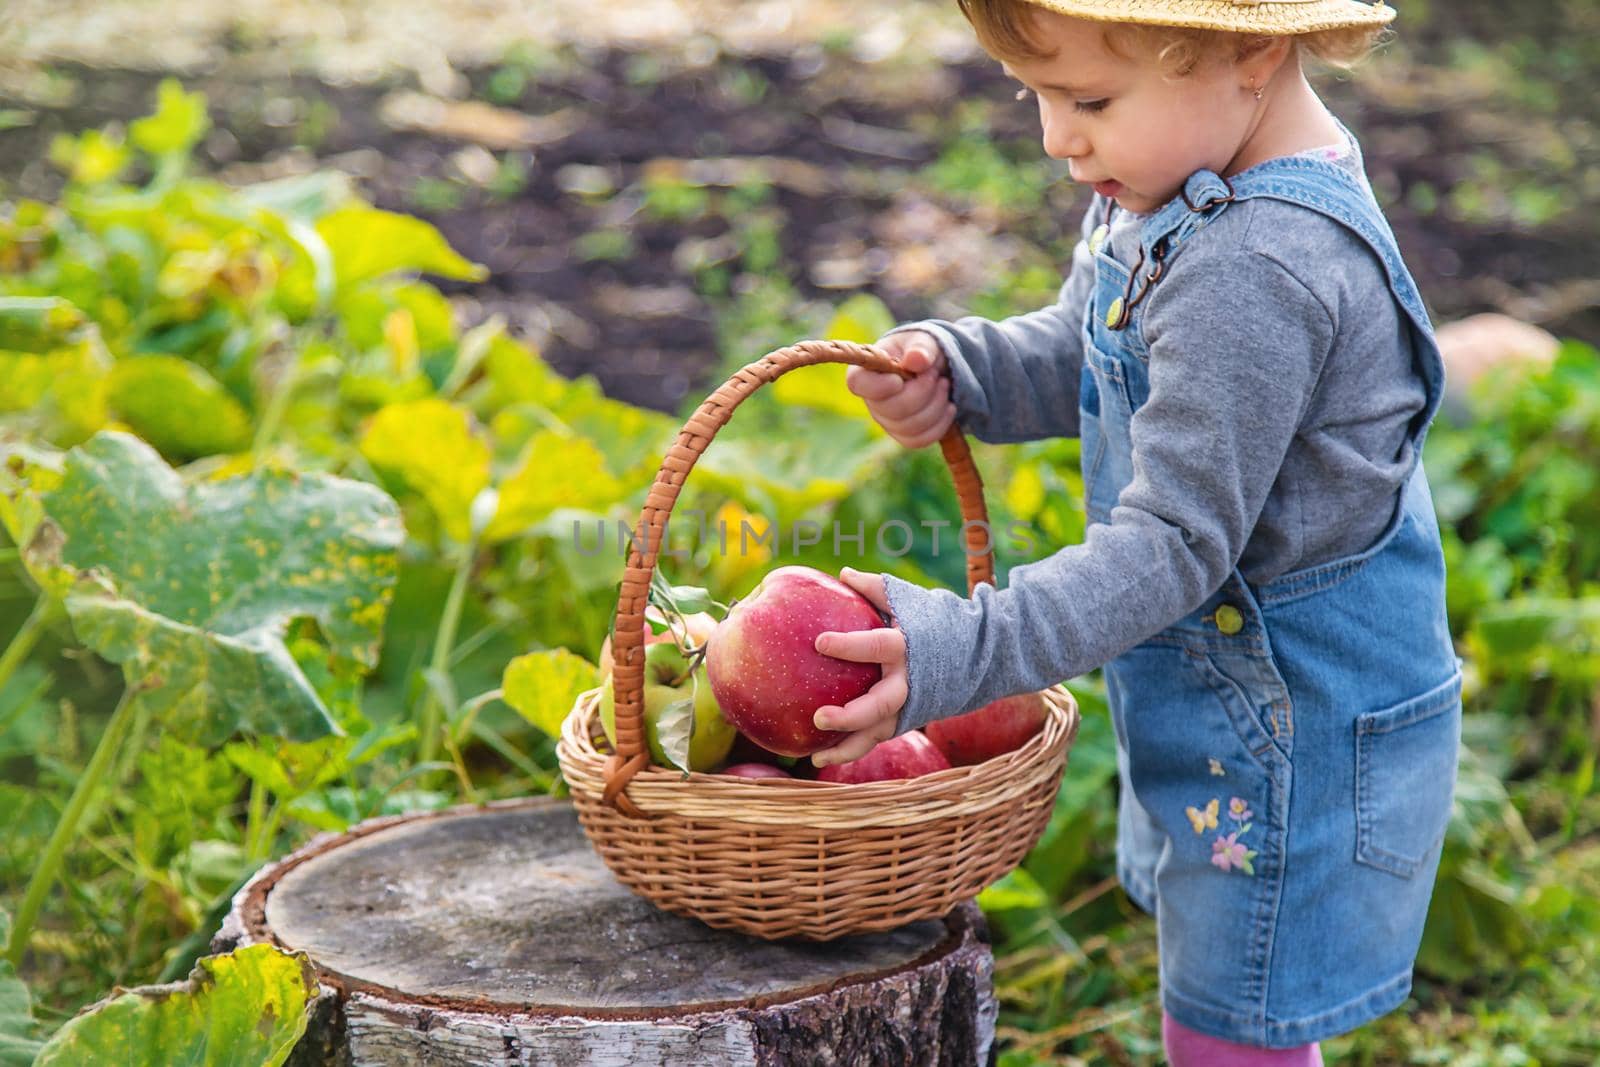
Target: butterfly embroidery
point(1204, 820)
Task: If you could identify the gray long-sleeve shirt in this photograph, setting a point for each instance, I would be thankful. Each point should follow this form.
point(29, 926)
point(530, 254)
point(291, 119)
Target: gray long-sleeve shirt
point(1282, 387)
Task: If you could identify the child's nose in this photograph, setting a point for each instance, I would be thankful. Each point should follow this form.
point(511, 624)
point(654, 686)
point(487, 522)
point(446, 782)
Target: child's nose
point(1063, 140)
point(1064, 146)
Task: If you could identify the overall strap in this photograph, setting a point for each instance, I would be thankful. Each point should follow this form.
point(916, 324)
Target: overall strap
point(1312, 183)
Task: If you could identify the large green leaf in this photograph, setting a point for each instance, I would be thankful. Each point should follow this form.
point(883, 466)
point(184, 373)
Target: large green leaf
point(430, 445)
point(817, 467)
point(53, 366)
point(17, 1046)
point(25, 472)
point(863, 318)
point(176, 406)
point(557, 471)
point(368, 243)
point(243, 1009)
point(191, 588)
point(543, 686)
point(40, 323)
point(526, 396)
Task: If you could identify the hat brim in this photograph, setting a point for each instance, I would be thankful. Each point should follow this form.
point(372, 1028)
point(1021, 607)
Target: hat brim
point(1273, 17)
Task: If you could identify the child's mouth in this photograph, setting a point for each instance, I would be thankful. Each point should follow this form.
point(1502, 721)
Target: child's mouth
point(1107, 189)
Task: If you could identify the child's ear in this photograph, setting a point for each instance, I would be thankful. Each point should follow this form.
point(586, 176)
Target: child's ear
point(1259, 57)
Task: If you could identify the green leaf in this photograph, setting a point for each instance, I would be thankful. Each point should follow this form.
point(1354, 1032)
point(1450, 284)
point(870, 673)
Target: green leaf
point(820, 386)
point(1474, 928)
point(675, 728)
point(289, 768)
point(368, 243)
point(91, 158)
point(429, 444)
point(39, 323)
point(25, 473)
point(206, 868)
point(543, 686)
point(862, 318)
point(53, 367)
point(191, 588)
point(797, 474)
point(686, 599)
point(1016, 890)
point(1535, 629)
point(243, 1009)
point(179, 408)
point(17, 1046)
point(557, 471)
point(179, 121)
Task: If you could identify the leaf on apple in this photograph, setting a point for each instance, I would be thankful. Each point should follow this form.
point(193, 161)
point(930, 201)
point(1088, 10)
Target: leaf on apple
point(675, 728)
point(681, 599)
point(689, 599)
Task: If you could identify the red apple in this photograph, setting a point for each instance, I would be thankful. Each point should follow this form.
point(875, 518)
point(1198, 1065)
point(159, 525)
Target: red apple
point(998, 727)
point(907, 756)
point(767, 675)
point(756, 770)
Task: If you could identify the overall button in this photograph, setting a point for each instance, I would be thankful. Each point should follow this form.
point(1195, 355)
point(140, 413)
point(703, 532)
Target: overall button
point(1114, 312)
point(1229, 619)
point(1097, 239)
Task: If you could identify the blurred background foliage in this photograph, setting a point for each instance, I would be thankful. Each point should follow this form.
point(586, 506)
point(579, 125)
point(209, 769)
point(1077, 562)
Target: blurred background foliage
point(473, 300)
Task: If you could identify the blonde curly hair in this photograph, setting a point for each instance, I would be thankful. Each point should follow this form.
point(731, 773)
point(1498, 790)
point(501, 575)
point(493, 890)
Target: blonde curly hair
point(1007, 30)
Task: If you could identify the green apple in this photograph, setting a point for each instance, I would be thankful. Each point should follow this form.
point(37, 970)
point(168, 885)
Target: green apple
point(665, 664)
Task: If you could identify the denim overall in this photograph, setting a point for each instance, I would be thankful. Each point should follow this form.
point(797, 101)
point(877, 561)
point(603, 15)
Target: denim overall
point(1287, 752)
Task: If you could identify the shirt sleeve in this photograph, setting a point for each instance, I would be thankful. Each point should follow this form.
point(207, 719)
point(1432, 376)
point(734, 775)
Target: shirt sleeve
point(1237, 344)
point(1017, 379)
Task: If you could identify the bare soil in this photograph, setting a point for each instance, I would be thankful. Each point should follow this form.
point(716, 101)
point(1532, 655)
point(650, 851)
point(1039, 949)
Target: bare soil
point(846, 146)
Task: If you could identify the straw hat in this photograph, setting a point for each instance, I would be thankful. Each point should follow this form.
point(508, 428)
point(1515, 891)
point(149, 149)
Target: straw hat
point(1243, 16)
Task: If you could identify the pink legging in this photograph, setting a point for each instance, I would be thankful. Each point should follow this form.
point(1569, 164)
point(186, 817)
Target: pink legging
point(1190, 1048)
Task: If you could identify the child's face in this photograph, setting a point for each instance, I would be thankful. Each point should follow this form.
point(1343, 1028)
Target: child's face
point(1126, 126)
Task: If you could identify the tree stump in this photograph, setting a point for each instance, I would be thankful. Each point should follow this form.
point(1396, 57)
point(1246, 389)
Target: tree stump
point(495, 935)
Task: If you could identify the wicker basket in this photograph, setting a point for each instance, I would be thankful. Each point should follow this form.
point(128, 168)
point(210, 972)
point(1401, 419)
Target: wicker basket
point(789, 857)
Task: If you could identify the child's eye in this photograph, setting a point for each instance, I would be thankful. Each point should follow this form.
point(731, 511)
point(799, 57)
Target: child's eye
point(1091, 105)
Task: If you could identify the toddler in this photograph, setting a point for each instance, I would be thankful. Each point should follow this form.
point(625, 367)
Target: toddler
point(1251, 372)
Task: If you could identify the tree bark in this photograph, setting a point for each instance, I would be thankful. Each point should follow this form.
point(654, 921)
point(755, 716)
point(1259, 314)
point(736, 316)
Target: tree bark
point(495, 935)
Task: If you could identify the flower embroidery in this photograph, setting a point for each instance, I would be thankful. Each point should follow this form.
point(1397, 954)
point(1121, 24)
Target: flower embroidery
point(1216, 768)
point(1229, 853)
point(1203, 820)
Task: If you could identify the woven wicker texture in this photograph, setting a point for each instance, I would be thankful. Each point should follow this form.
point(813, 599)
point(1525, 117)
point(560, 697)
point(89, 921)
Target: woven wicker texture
point(788, 857)
point(1240, 16)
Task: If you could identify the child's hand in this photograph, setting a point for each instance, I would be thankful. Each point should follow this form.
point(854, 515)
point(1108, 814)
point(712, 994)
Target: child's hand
point(872, 716)
point(914, 411)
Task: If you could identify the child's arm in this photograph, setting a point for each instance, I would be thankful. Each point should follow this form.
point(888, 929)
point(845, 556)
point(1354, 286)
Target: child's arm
point(1237, 343)
point(1017, 379)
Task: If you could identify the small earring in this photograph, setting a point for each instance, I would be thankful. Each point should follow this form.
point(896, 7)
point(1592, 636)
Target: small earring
point(1260, 91)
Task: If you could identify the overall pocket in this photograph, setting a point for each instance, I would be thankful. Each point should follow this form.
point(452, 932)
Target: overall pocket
point(1405, 778)
point(1250, 690)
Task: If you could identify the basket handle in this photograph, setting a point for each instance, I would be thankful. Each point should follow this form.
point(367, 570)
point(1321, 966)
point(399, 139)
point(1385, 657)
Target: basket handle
point(627, 638)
